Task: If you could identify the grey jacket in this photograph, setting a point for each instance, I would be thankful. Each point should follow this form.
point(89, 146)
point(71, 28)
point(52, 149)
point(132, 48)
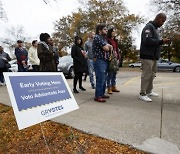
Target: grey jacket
point(4, 58)
point(88, 49)
point(150, 42)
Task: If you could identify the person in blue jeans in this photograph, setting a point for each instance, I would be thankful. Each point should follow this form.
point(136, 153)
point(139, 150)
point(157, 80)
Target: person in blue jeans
point(111, 78)
point(101, 49)
point(89, 55)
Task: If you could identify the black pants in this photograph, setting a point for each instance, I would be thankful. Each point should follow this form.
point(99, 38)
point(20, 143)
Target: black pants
point(35, 68)
point(1, 74)
point(78, 76)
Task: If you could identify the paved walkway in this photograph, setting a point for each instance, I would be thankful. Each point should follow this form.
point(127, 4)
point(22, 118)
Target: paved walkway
point(126, 119)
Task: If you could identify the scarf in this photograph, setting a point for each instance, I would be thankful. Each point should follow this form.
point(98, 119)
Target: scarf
point(44, 44)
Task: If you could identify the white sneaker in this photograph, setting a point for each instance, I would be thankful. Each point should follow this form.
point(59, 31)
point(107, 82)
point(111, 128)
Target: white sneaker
point(1, 84)
point(145, 98)
point(153, 94)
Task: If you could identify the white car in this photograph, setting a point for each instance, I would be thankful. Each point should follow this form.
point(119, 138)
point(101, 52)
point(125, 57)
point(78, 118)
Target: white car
point(14, 66)
point(66, 66)
point(136, 64)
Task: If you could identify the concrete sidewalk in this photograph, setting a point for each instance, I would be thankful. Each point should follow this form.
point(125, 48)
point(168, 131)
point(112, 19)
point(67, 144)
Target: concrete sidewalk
point(126, 119)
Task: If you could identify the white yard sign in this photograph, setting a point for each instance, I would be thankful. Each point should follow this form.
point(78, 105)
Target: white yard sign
point(37, 97)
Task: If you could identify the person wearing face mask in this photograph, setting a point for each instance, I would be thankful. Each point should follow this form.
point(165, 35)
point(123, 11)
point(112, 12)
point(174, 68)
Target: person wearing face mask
point(149, 54)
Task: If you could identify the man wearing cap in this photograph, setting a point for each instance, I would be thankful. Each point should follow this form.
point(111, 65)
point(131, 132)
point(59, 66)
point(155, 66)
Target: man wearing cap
point(21, 56)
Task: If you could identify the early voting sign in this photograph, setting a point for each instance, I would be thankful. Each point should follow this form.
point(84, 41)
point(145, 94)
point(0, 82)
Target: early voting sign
point(38, 96)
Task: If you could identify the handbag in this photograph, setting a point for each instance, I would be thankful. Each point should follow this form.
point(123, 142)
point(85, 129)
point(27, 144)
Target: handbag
point(113, 63)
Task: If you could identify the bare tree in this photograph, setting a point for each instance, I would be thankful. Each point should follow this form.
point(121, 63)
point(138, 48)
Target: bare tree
point(14, 34)
point(3, 15)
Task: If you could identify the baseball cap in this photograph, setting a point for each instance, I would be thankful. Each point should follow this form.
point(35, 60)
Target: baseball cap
point(19, 41)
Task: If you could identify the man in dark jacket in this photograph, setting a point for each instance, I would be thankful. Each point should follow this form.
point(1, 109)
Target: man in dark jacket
point(54, 49)
point(149, 54)
point(21, 56)
point(4, 65)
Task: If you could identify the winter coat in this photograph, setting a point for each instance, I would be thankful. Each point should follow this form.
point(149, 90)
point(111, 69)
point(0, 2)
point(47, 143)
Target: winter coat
point(46, 58)
point(21, 55)
point(79, 60)
point(4, 58)
point(33, 57)
point(150, 42)
point(114, 43)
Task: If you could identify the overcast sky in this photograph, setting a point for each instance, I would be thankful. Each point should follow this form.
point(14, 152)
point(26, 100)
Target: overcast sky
point(37, 17)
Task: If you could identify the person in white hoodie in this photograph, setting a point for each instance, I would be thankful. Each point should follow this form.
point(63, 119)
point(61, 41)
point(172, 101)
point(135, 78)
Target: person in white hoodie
point(33, 56)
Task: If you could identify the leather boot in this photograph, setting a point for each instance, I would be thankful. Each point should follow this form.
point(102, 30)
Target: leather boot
point(114, 89)
point(109, 90)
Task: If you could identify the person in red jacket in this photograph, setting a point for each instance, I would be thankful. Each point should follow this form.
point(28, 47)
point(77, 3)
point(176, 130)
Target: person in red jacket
point(111, 77)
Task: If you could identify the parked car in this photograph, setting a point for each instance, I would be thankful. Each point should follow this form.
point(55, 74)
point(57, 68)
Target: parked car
point(136, 64)
point(14, 66)
point(168, 65)
point(162, 65)
point(66, 66)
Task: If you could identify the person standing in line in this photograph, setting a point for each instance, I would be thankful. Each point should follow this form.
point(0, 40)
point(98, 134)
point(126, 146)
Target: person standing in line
point(21, 56)
point(79, 63)
point(33, 56)
point(4, 65)
point(101, 50)
point(55, 53)
point(111, 78)
point(149, 54)
point(45, 54)
point(89, 54)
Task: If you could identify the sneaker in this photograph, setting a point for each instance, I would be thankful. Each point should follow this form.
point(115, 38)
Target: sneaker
point(1, 84)
point(153, 94)
point(145, 98)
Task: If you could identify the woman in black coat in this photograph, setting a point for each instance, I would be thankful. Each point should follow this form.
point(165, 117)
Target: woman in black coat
point(79, 62)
